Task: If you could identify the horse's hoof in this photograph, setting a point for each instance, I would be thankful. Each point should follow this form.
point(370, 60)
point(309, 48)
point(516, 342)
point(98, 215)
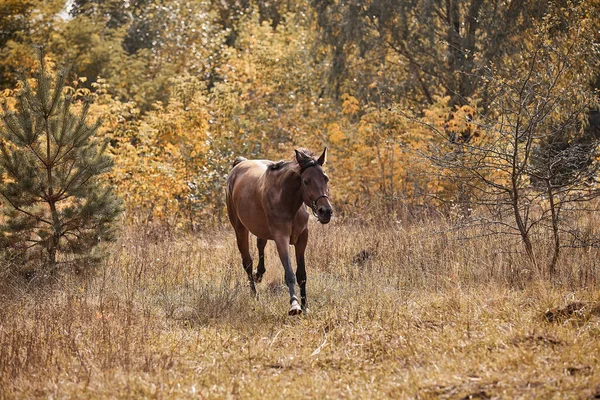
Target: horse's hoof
point(295, 309)
point(257, 278)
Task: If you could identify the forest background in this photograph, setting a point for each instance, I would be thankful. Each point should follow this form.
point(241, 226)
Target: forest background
point(183, 87)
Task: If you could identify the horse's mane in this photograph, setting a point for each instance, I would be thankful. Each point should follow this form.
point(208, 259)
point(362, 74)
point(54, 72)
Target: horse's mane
point(238, 160)
point(308, 161)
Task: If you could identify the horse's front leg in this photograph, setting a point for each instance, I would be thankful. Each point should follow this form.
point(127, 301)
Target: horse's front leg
point(283, 248)
point(301, 271)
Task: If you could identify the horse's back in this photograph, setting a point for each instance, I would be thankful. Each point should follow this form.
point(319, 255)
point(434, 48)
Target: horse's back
point(244, 203)
point(247, 172)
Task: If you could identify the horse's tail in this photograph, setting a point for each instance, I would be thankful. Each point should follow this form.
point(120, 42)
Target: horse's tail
point(238, 160)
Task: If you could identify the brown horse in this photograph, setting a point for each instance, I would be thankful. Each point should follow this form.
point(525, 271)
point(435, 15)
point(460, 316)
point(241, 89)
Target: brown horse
point(267, 199)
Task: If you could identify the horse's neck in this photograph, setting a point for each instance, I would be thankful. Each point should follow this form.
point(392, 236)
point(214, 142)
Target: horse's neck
point(291, 195)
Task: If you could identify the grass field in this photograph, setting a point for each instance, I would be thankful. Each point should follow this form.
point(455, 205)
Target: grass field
point(402, 311)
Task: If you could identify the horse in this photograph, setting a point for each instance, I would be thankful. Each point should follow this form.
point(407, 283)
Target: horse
point(269, 200)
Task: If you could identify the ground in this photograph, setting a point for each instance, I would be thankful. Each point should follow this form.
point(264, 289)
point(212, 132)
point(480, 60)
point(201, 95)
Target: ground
point(394, 312)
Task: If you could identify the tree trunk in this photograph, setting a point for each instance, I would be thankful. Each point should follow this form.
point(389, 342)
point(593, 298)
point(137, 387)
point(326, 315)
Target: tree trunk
point(555, 232)
point(56, 228)
point(523, 229)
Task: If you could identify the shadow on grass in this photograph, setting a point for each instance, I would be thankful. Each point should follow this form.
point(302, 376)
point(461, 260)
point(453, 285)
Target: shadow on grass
point(228, 303)
point(331, 300)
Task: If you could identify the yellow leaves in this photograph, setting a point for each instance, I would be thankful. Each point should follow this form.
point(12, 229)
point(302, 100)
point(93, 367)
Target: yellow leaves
point(461, 120)
point(7, 99)
point(158, 154)
point(335, 134)
point(350, 105)
point(170, 149)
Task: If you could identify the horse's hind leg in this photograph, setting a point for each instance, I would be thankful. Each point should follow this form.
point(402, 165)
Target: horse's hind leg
point(241, 234)
point(260, 270)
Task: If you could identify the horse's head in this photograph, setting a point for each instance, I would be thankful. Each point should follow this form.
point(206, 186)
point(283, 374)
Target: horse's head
point(315, 192)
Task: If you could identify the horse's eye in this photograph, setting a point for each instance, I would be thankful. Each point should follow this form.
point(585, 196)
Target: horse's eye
point(307, 182)
point(326, 178)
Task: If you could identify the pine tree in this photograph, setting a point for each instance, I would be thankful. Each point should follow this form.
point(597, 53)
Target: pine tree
point(51, 161)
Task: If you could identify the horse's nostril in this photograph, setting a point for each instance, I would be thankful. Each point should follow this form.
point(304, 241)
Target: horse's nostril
point(326, 212)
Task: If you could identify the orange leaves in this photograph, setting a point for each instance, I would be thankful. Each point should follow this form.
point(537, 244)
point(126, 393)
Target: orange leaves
point(349, 104)
point(155, 155)
point(335, 134)
point(452, 124)
point(461, 120)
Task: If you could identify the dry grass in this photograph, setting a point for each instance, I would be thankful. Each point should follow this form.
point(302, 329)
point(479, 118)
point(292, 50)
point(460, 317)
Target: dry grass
point(396, 311)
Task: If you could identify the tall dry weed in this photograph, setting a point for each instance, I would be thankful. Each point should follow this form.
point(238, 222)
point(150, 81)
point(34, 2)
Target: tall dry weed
point(396, 310)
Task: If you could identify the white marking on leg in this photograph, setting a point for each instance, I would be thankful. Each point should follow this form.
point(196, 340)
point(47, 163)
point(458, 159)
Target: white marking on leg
point(295, 308)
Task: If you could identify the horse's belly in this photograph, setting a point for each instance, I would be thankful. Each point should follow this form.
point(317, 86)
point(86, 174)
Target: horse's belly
point(252, 216)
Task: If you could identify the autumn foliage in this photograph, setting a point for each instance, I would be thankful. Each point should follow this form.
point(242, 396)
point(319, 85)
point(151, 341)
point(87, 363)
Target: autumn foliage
point(183, 88)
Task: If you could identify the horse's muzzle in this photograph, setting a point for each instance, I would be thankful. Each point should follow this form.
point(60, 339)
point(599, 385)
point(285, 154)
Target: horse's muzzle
point(324, 214)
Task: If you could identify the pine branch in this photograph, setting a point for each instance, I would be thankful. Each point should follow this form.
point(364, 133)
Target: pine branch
point(17, 208)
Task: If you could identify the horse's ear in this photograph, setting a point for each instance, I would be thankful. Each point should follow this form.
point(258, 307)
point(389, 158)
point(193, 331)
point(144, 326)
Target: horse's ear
point(300, 157)
point(323, 159)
